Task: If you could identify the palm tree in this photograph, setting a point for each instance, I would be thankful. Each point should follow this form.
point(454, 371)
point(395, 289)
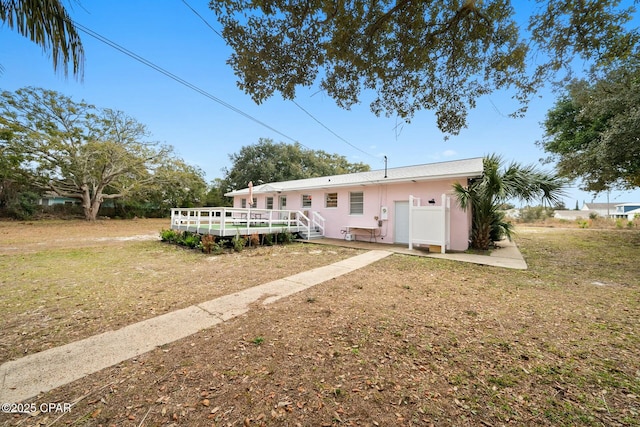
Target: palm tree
point(47, 24)
point(496, 186)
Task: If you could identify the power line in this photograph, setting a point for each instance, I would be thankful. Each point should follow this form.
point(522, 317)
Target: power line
point(335, 134)
point(178, 79)
point(202, 18)
point(294, 102)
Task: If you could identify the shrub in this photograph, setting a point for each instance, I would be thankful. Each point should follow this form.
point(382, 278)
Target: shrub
point(23, 206)
point(238, 243)
point(254, 239)
point(208, 244)
point(583, 223)
point(535, 213)
point(170, 236)
point(190, 240)
point(285, 237)
point(225, 243)
point(267, 239)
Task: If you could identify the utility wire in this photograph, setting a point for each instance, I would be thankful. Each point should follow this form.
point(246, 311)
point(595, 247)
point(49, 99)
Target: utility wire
point(178, 79)
point(296, 104)
point(202, 18)
point(335, 134)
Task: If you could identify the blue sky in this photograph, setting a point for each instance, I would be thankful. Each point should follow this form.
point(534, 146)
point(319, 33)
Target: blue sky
point(204, 132)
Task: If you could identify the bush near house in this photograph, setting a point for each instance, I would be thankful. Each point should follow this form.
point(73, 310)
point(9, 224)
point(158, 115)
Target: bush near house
point(210, 245)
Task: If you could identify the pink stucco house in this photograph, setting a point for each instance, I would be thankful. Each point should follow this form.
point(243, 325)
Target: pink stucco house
point(375, 205)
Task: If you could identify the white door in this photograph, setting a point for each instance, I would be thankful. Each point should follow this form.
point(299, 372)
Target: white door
point(401, 222)
point(282, 205)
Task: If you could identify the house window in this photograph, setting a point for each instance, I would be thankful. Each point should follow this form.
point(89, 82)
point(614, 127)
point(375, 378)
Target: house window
point(306, 200)
point(331, 200)
point(269, 203)
point(243, 203)
point(254, 203)
point(356, 203)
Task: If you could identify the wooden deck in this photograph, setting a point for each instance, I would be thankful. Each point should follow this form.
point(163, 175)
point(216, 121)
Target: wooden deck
point(236, 221)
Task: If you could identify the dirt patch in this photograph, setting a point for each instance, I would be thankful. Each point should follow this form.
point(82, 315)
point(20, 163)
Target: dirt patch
point(406, 341)
point(60, 290)
point(34, 236)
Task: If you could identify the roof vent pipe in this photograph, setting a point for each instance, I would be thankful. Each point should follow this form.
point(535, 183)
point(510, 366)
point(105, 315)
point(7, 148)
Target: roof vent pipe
point(385, 166)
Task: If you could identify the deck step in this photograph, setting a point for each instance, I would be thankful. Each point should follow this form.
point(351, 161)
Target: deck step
point(313, 235)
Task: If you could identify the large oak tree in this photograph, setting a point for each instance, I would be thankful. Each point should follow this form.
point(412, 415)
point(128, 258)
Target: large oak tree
point(593, 131)
point(77, 150)
point(267, 161)
point(440, 55)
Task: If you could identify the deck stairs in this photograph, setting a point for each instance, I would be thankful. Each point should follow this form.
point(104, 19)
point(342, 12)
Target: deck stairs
point(314, 234)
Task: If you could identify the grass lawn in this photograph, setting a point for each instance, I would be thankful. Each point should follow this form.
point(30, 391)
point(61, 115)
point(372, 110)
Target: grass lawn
point(405, 341)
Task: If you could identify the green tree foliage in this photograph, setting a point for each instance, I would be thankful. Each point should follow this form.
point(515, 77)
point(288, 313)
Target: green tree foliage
point(535, 213)
point(215, 196)
point(267, 161)
point(440, 55)
point(172, 183)
point(498, 184)
point(14, 179)
point(77, 150)
point(46, 23)
point(593, 131)
point(178, 184)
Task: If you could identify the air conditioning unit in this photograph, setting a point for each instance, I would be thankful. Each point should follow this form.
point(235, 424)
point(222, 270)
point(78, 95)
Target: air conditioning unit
point(348, 237)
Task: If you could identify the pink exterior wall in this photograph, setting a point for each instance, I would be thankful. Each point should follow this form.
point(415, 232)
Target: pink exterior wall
point(375, 196)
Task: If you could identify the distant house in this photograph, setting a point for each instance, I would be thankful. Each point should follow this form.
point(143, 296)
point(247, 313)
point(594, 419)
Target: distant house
point(626, 211)
point(376, 205)
point(52, 199)
point(572, 215)
point(604, 210)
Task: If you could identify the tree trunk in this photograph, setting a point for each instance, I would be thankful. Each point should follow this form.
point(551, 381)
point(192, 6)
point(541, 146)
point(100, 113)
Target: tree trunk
point(481, 235)
point(90, 205)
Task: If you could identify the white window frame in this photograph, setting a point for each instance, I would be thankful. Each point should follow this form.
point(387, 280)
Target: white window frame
point(306, 200)
point(358, 204)
point(327, 200)
point(268, 205)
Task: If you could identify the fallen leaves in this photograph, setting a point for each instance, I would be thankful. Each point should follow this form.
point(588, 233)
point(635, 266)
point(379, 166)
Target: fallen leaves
point(474, 345)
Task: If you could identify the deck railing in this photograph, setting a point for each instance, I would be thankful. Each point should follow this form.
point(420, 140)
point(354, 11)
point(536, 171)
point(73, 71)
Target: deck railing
point(317, 222)
point(226, 221)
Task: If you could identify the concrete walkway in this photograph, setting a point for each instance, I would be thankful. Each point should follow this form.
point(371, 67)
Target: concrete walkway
point(26, 377)
point(506, 255)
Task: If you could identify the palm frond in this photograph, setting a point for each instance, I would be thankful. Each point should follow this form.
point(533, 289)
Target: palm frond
point(498, 185)
point(46, 23)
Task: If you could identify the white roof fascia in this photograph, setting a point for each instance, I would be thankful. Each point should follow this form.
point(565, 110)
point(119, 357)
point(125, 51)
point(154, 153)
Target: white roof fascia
point(376, 177)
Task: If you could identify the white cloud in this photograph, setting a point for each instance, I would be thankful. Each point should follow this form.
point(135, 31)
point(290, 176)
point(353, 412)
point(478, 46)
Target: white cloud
point(449, 153)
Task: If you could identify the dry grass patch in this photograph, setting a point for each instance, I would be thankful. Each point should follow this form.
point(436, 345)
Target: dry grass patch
point(53, 294)
point(406, 341)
